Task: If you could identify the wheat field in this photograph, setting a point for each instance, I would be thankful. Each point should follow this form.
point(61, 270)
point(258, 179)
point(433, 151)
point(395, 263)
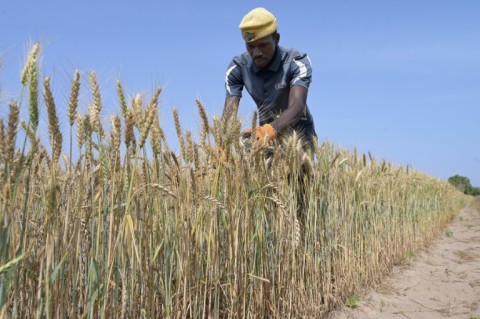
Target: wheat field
point(109, 222)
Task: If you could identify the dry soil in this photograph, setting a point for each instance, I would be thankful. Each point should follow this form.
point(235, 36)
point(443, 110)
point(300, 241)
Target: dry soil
point(442, 281)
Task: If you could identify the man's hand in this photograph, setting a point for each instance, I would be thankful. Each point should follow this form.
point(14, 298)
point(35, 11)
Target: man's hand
point(263, 134)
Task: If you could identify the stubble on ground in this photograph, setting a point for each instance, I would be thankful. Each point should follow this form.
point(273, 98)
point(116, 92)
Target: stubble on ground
point(442, 281)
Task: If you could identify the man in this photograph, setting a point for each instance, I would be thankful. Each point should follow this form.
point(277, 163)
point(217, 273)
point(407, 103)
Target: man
point(276, 78)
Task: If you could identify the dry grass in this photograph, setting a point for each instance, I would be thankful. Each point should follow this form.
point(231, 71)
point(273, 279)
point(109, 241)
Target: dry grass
point(476, 203)
point(142, 232)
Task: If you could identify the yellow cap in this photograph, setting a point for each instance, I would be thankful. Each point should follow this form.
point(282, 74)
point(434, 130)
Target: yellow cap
point(258, 24)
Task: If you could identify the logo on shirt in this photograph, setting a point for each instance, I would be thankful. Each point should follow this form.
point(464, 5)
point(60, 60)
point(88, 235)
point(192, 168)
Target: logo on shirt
point(280, 85)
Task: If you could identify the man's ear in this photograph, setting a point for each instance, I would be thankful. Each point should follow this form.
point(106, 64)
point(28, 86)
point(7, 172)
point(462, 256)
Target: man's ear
point(277, 37)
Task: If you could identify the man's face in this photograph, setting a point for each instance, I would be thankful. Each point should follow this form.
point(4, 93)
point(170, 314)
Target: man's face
point(262, 50)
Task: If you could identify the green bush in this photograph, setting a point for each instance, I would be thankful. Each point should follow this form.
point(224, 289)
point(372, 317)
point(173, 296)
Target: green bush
point(463, 184)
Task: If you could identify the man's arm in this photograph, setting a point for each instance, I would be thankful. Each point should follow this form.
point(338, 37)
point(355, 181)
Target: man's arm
point(297, 102)
point(230, 108)
point(234, 87)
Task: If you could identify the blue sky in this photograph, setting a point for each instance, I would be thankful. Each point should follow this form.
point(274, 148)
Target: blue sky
point(400, 79)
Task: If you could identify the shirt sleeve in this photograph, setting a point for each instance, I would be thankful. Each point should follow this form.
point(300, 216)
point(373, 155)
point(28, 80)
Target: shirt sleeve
point(233, 80)
point(301, 71)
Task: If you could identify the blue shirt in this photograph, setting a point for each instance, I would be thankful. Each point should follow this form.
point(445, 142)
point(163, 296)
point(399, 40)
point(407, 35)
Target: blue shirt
point(270, 87)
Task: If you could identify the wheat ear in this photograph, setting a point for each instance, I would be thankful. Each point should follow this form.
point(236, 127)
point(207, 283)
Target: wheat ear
point(178, 128)
point(205, 125)
point(149, 116)
point(137, 111)
point(33, 94)
point(80, 131)
point(13, 118)
point(254, 123)
point(96, 107)
point(115, 137)
point(30, 74)
point(121, 97)
point(73, 101)
point(53, 126)
point(147, 124)
point(129, 134)
point(32, 56)
point(157, 133)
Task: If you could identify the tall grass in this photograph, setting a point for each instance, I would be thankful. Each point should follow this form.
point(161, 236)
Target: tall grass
point(130, 229)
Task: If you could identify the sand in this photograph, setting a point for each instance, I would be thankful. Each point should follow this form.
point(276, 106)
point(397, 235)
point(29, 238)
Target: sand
point(442, 281)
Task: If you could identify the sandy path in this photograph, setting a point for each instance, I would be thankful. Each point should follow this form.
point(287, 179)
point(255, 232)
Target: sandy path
point(442, 282)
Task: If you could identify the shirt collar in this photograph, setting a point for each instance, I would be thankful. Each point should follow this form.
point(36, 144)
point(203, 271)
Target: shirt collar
point(274, 64)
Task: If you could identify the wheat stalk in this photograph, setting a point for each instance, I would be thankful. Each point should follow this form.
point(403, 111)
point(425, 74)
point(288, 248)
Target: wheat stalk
point(2, 140)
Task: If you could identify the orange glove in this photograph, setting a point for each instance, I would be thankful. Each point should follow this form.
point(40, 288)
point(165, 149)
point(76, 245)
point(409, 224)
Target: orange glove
point(261, 132)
